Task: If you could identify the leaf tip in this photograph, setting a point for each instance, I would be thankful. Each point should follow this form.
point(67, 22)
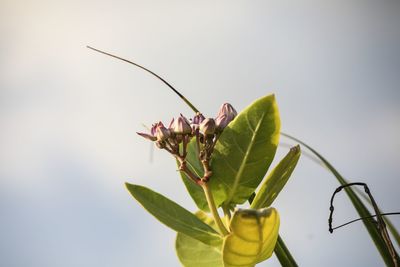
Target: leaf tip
point(130, 187)
point(296, 149)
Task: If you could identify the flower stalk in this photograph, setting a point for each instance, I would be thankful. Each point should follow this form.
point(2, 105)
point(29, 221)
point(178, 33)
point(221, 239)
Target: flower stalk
point(213, 209)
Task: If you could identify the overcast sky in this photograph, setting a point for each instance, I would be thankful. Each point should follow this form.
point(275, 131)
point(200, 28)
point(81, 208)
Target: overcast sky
point(68, 118)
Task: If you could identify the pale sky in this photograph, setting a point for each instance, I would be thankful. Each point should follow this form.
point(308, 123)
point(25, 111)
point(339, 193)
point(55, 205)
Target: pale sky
point(68, 118)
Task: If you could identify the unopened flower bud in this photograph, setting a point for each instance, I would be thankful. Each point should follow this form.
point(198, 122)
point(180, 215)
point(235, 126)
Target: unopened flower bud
point(207, 127)
point(153, 130)
point(162, 133)
point(181, 126)
point(198, 118)
point(152, 135)
point(228, 110)
point(221, 121)
point(225, 115)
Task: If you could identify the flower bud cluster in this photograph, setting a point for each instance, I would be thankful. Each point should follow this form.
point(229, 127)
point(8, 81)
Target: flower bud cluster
point(179, 131)
point(207, 132)
point(177, 135)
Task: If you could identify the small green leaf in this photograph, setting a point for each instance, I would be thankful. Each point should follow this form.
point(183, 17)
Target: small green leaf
point(276, 179)
point(252, 239)
point(245, 150)
point(173, 215)
point(193, 253)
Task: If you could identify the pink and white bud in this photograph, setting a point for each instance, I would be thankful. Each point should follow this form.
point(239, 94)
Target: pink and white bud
point(162, 133)
point(153, 131)
point(207, 127)
point(226, 114)
point(181, 126)
point(221, 121)
point(171, 124)
point(198, 118)
point(228, 110)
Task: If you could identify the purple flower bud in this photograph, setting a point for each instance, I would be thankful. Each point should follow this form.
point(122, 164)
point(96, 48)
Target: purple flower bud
point(198, 118)
point(207, 127)
point(181, 126)
point(228, 110)
point(153, 130)
point(152, 135)
point(225, 115)
point(162, 133)
point(221, 121)
point(171, 124)
point(157, 132)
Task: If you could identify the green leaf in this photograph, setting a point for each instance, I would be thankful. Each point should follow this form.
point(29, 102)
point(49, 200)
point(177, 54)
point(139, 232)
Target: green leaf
point(283, 254)
point(276, 179)
point(357, 203)
point(245, 150)
point(173, 215)
point(252, 239)
point(195, 191)
point(193, 253)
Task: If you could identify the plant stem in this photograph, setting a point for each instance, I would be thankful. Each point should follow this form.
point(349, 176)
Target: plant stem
point(283, 254)
point(183, 168)
point(213, 209)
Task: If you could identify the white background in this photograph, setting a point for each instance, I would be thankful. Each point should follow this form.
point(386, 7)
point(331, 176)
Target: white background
point(68, 118)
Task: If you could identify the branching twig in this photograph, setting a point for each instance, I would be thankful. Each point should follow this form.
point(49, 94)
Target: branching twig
point(381, 223)
point(363, 218)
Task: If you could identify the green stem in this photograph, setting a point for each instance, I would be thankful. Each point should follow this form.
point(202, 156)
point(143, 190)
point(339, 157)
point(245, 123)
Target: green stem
point(282, 253)
point(213, 209)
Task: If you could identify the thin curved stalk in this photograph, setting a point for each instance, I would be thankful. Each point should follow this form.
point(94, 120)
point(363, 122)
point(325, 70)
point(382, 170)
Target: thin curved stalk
point(213, 209)
point(149, 71)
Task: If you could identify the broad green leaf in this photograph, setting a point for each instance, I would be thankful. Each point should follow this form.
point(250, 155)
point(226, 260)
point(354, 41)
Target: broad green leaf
point(173, 215)
point(283, 254)
point(245, 150)
point(195, 191)
point(276, 179)
point(193, 253)
point(252, 239)
point(358, 205)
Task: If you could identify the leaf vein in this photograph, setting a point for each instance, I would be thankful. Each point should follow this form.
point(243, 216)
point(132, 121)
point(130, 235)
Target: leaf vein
point(243, 163)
